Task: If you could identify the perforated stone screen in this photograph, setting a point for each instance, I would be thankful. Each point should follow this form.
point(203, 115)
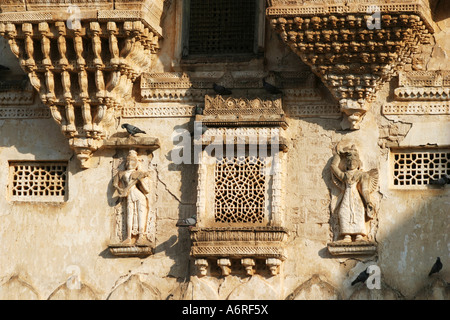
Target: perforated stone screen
point(222, 26)
point(240, 190)
point(38, 181)
point(415, 168)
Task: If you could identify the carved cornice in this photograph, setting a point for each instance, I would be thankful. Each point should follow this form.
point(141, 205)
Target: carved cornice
point(350, 45)
point(193, 86)
point(421, 92)
point(243, 111)
point(83, 58)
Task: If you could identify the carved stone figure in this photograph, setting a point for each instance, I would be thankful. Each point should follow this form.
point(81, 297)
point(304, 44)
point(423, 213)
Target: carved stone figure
point(133, 185)
point(356, 204)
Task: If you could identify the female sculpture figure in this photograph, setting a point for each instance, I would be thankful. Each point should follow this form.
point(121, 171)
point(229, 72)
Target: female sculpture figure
point(132, 185)
point(356, 202)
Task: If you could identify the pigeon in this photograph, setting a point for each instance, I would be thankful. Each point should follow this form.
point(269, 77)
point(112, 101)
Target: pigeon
point(445, 179)
point(198, 110)
point(221, 89)
point(271, 88)
point(187, 222)
point(362, 277)
point(132, 129)
point(437, 266)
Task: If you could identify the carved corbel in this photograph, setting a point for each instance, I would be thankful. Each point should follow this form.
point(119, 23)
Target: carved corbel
point(202, 266)
point(248, 264)
point(224, 265)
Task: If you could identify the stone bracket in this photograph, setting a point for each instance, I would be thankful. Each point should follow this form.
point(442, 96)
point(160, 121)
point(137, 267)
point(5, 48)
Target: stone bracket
point(339, 248)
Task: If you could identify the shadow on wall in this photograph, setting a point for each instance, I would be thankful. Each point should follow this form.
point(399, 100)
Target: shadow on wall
point(440, 9)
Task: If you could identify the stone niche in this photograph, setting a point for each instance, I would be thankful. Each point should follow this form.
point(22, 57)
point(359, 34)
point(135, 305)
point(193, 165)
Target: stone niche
point(134, 219)
point(240, 185)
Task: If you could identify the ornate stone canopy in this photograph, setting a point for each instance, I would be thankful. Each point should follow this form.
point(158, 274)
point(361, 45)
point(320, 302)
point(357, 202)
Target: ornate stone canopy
point(83, 58)
point(353, 46)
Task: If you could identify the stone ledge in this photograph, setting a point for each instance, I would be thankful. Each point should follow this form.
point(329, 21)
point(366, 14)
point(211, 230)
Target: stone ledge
point(338, 248)
point(149, 143)
point(239, 242)
point(127, 250)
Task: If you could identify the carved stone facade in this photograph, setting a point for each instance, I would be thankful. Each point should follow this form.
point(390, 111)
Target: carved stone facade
point(313, 148)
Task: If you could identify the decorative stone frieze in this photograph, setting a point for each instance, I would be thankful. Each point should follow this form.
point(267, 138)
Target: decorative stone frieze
point(85, 61)
point(245, 244)
point(191, 87)
point(222, 111)
point(353, 47)
point(421, 92)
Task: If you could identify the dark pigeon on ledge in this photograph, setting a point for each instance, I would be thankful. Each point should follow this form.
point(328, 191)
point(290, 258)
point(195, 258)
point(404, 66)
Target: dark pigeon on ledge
point(132, 130)
point(221, 90)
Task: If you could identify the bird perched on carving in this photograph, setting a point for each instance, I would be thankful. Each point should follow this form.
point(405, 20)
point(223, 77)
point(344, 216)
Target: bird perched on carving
point(271, 88)
point(437, 266)
point(442, 181)
point(362, 277)
point(187, 222)
point(198, 110)
point(221, 90)
point(132, 130)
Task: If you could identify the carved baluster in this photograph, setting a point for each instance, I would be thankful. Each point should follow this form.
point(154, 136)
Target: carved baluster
point(128, 46)
point(115, 62)
point(70, 117)
point(11, 33)
point(99, 80)
point(44, 31)
point(36, 83)
point(96, 42)
point(98, 117)
point(57, 116)
point(78, 46)
point(113, 46)
point(69, 126)
point(27, 29)
point(82, 80)
point(62, 46)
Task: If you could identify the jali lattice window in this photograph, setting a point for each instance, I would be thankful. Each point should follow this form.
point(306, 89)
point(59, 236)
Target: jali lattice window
point(38, 181)
point(222, 26)
point(413, 168)
point(240, 190)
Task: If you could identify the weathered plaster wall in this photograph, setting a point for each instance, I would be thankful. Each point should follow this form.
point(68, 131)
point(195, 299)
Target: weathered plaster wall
point(47, 248)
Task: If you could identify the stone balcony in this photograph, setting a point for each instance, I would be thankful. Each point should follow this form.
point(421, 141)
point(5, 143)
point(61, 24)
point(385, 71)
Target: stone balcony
point(244, 244)
point(353, 46)
point(82, 58)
